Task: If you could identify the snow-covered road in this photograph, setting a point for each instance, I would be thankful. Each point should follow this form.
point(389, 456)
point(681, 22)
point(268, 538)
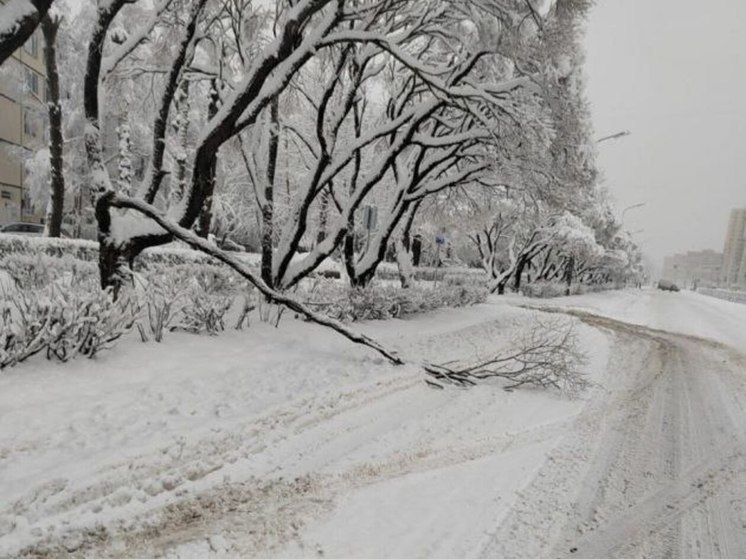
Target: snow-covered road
point(655, 467)
point(277, 443)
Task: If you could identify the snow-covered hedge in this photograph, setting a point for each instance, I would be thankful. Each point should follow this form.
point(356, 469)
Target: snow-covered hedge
point(72, 253)
point(453, 275)
point(77, 249)
point(37, 270)
point(173, 254)
point(549, 289)
point(87, 251)
point(379, 302)
point(725, 294)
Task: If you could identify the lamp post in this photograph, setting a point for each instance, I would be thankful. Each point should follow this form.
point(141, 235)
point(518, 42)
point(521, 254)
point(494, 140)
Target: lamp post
point(616, 136)
point(632, 207)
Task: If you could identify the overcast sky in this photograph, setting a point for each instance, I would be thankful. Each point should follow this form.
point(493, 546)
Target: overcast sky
point(673, 72)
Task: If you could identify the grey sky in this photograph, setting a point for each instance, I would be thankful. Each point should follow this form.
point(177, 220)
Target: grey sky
point(674, 73)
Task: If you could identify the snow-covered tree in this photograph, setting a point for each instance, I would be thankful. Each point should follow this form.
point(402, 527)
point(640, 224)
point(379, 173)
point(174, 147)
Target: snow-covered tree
point(50, 25)
point(448, 104)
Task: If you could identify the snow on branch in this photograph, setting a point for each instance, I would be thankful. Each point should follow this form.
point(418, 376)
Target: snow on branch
point(18, 21)
point(110, 62)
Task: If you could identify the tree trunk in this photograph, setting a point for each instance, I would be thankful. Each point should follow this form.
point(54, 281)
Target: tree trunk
point(53, 227)
point(380, 246)
point(405, 261)
point(364, 279)
point(269, 193)
point(205, 215)
point(519, 273)
point(323, 215)
point(114, 266)
point(114, 259)
point(416, 250)
point(404, 265)
point(569, 272)
point(181, 129)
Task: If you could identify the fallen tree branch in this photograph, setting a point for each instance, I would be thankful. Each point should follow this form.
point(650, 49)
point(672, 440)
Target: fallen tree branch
point(546, 355)
point(118, 201)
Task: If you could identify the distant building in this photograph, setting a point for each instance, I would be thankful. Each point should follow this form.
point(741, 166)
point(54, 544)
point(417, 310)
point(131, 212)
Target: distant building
point(695, 267)
point(22, 126)
point(734, 253)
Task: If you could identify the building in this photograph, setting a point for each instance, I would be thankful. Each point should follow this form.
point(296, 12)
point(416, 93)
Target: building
point(702, 267)
point(22, 126)
point(734, 252)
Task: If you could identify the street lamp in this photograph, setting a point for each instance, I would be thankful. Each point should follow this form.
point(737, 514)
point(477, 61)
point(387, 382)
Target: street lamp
point(632, 207)
point(616, 136)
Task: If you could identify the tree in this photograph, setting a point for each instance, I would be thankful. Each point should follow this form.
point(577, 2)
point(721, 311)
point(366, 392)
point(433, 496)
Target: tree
point(511, 236)
point(434, 133)
point(123, 237)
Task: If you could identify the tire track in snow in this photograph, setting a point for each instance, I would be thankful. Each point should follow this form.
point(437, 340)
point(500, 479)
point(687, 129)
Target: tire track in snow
point(664, 473)
point(205, 477)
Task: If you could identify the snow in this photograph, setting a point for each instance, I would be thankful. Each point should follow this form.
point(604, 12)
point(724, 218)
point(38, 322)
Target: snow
point(290, 442)
point(112, 441)
point(440, 512)
point(685, 312)
point(12, 14)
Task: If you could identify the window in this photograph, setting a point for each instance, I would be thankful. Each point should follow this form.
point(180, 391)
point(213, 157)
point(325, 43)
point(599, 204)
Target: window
point(6, 195)
point(29, 125)
point(32, 45)
point(32, 82)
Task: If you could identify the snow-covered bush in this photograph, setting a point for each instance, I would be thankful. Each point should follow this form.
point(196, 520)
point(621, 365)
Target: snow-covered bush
point(161, 296)
point(467, 279)
point(24, 327)
point(194, 298)
point(544, 289)
point(62, 319)
point(91, 321)
point(210, 293)
point(382, 302)
point(204, 312)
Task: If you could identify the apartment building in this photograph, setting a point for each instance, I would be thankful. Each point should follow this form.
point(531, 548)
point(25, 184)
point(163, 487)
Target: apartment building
point(734, 252)
point(22, 126)
point(702, 268)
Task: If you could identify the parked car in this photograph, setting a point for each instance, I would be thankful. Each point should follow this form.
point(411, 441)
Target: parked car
point(33, 229)
point(665, 285)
